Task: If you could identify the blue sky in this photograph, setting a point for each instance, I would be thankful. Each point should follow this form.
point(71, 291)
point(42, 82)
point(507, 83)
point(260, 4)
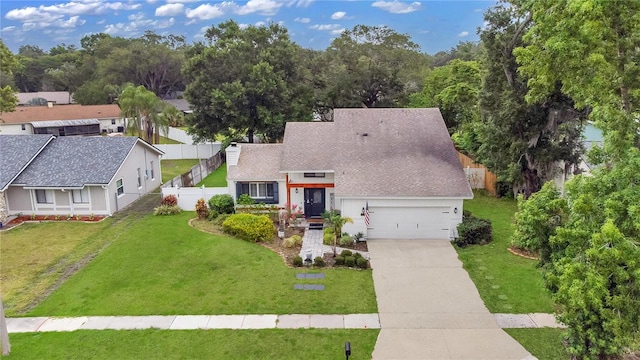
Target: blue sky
point(434, 25)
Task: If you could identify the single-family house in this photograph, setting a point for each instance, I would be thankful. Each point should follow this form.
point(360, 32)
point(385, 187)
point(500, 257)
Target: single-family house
point(63, 120)
point(395, 172)
point(48, 175)
point(54, 97)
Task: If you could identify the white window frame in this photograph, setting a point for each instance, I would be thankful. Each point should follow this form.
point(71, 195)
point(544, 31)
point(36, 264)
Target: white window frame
point(120, 187)
point(47, 194)
point(259, 190)
point(80, 196)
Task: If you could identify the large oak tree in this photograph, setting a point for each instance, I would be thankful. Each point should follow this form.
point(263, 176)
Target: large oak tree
point(247, 81)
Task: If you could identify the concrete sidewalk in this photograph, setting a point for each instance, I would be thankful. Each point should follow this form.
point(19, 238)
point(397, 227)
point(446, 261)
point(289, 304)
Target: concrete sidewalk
point(193, 322)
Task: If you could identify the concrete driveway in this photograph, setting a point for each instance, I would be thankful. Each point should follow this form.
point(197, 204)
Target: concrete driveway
point(429, 307)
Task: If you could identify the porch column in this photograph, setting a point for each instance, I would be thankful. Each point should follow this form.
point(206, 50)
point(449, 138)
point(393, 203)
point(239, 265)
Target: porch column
point(288, 190)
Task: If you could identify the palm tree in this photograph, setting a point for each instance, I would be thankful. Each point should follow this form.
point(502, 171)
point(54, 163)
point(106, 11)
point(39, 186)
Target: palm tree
point(140, 106)
point(336, 222)
point(170, 116)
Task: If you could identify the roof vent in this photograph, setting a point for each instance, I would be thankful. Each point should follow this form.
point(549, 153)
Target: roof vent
point(365, 134)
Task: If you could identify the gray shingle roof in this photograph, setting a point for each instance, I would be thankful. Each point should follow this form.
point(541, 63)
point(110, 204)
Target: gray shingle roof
point(259, 162)
point(308, 147)
point(16, 151)
point(76, 161)
point(395, 153)
point(379, 153)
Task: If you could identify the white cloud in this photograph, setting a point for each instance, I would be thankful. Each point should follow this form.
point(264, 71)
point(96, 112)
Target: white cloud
point(204, 12)
point(325, 27)
point(136, 27)
point(72, 22)
point(463, 34)
point(300, 3)
point(53, 16)
point(136, 17)
point(169, 9)
point(180, 1)
point(302, 20)
point(8, 28)
point(338, 31)
point(264, 7)
point(338, 15)
point(397, 7)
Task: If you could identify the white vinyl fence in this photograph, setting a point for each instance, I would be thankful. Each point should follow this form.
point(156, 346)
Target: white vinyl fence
point(188, 197)
point(197, 172)
point(184, 151)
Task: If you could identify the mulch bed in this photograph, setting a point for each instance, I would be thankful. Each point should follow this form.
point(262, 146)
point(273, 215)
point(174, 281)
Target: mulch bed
point(523, 253)
point(41, 218)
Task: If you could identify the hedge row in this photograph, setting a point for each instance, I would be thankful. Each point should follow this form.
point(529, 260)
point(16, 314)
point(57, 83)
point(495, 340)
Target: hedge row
point(249, 227)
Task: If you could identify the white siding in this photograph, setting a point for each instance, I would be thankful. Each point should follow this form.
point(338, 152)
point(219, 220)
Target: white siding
point(353, 208)
point(15, 129)
point(298, 178)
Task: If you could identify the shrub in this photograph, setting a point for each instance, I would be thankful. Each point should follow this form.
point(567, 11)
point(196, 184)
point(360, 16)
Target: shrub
point(346, 253)
point(319, 262)
point(537, 219)
point(297, 261)
point(362, 263)
point(170, 200)
point(349, 261)
point(357, 255)
point(346, 240)
point(249, 227)
point(218, 220)
point(222, 203)
point(245, 199)
point(167, 210)
point(327, 239)
point(328, 230)
point(339, 260)
point(212, 215)
point(202, 209)
point(473, 230)
point(292, 241)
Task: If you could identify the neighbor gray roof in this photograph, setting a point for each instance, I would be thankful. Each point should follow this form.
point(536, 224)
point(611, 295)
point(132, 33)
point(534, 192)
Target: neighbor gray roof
point(16, 152)
point(180, 104)
point(257, 162)
point(395, 153)
point(77, 161)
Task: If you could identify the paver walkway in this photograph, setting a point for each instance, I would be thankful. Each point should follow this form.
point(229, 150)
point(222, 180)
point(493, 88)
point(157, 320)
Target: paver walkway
point(194, 322)
point(429, 307)
point(312, 244)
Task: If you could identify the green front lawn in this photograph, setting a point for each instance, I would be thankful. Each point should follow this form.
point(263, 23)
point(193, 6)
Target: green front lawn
point(194, 344)
point(162, 266)
point(28, 272)
point(218, 178)
point(507, 283)
point(173, 168)
point(543, 343)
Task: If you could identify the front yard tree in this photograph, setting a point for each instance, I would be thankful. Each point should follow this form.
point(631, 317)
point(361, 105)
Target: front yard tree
point(247, 80)
point(591, 48)
point(522, 143)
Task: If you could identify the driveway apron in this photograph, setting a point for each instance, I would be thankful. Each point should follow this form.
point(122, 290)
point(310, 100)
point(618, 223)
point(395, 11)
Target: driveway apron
point(429, 307)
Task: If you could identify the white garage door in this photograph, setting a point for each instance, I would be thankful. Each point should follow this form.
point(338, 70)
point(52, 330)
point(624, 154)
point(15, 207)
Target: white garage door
point(408, 223)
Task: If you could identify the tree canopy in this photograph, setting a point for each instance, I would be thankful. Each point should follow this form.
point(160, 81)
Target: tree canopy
point(246, 80)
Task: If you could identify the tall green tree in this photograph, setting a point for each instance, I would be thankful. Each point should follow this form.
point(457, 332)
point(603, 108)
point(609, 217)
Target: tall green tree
point(8, 64)
point(522, 143)
point(592, 49)
point(247, 80)
point(372, 66)
point(454, 88)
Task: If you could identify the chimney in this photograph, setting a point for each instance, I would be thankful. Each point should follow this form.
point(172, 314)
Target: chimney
point(233, 154)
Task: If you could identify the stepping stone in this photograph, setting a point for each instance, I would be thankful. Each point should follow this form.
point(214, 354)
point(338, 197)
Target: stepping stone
point(489, 277)
point(495, 287)
point(308, 287)
point(502, 297)
point(310, 276)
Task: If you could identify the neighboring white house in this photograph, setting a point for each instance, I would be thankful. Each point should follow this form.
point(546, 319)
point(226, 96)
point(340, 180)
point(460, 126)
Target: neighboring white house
point(397, 165)
point(63, 120)
point(49, 175)
point(56, 97)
